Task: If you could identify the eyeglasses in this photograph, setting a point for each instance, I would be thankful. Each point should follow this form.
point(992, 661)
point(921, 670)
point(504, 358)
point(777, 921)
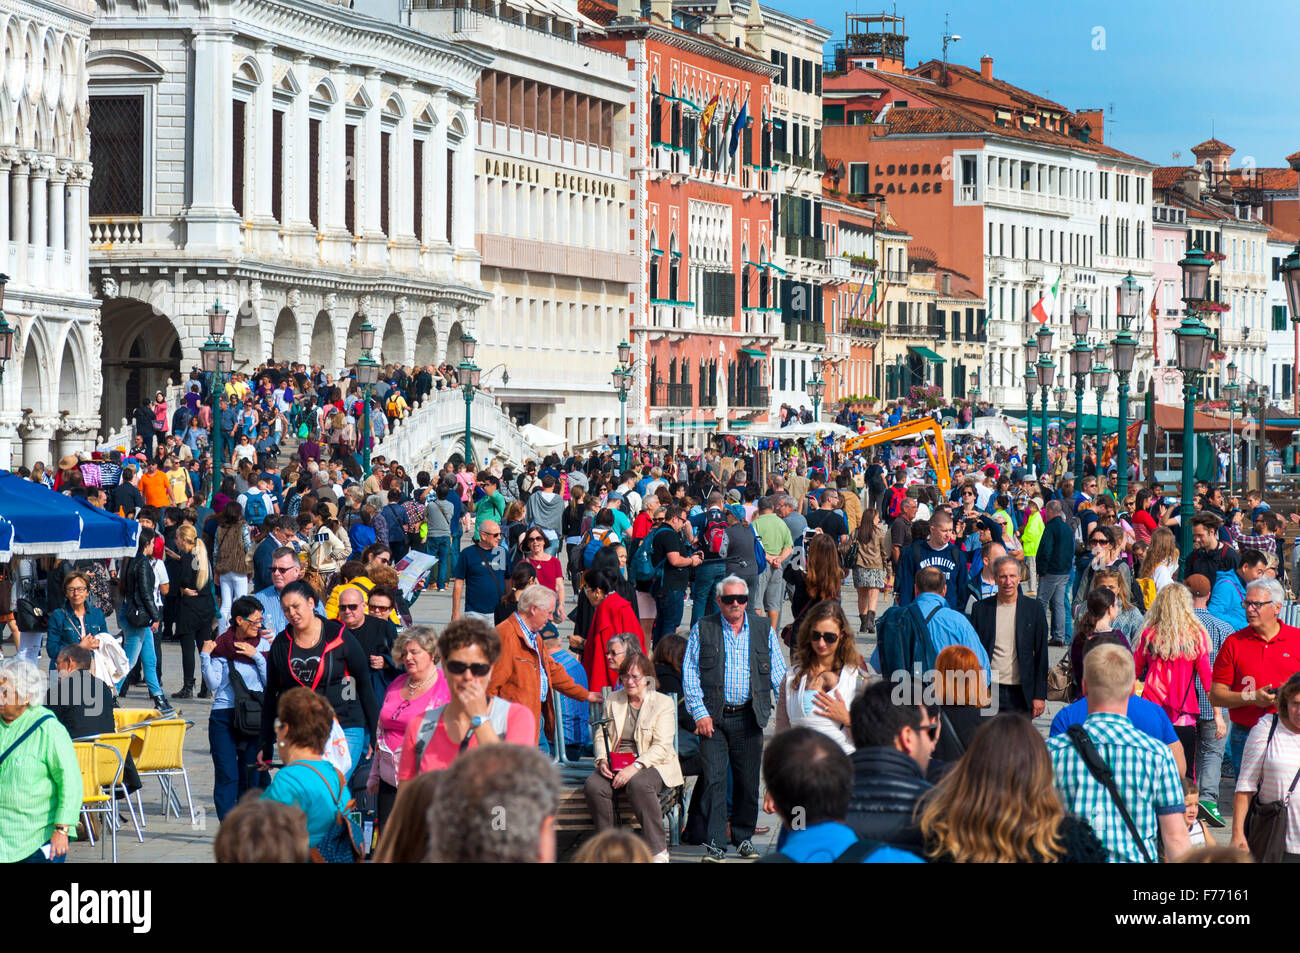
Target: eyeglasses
point(477, 669)
point(255, 623)
point(384, 560)
point(76, 589)
point(632, 679)
point(1100, 541)
point(931, 730)
point(380, 609)
point(282, 569)
point(349, 606)
point(486, 533)
point(1257, 606)
point(732, 599)
point(830, 638)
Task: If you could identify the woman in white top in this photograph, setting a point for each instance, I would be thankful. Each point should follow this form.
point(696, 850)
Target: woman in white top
point(1270, 765)
point(1161, 561)
point(825, 675)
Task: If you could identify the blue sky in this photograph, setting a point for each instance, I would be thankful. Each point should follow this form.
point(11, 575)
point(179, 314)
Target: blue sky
point(1175, 72)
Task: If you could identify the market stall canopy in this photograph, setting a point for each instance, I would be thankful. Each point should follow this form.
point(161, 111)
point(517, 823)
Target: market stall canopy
point(1170, 418)
point(41, 522)
point(541, 438)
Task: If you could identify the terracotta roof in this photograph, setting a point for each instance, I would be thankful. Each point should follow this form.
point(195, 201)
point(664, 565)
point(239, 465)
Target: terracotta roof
point(1270, 180)
point(1212, 145)
point(1200, 209)
point(1276, 234)
point(913, 121)
point(598, 11)
point(1167, 175)
point(1293, 157)
point(998, 86)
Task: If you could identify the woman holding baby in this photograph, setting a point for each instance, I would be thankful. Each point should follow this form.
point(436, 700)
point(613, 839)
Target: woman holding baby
point(826, 674)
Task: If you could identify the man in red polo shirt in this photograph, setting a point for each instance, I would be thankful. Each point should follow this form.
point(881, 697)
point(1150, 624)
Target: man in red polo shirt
point(1254, 663)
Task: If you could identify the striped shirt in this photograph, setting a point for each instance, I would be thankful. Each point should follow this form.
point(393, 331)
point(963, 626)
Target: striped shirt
point(1145, 775)
point(1219, 630)
point(735, 667)
point(40, 784)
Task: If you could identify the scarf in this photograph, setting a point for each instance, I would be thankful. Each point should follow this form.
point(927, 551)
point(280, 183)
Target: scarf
point(225, 647)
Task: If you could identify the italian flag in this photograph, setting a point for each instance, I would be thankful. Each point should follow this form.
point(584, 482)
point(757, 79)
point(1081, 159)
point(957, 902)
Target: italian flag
point(1042, 310)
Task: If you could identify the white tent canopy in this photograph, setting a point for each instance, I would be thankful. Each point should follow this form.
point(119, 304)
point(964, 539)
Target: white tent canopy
point(541, 438)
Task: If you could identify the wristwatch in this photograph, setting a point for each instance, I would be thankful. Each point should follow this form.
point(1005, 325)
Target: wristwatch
point(61, 829)
point(477, 722)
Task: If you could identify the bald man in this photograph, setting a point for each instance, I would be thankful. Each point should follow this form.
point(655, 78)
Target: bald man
point(480, 575)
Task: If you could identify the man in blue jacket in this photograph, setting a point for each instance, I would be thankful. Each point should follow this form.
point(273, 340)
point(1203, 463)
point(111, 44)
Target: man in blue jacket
point(1055, 556)
point(1230, 589)
point(938, 552)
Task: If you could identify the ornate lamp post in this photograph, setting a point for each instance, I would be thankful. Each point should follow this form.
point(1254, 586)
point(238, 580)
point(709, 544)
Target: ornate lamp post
point(1290, 278)
point(1080, 362)
point(816, 387)
point(1100, 383)
point(1194, 344)
point(1031, 356)
point(367, 377)
point(974, 390)
point(1046, 368)
point(6, 331)
point(1232, 389)
point(622, 378)
point(1124, 348)
point(468, 374)
point(217, 356)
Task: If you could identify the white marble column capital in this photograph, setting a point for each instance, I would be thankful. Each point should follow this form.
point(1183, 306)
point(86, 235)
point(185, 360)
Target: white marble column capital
point(39, 426)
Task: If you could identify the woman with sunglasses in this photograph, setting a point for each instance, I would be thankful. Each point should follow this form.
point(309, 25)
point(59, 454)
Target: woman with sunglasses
point(1107, 548)
point(635, 757)
point(549, 572)
point(825, 674)
point(613, 614)
point(469, 649)
point(410, 695)
point(235, 654)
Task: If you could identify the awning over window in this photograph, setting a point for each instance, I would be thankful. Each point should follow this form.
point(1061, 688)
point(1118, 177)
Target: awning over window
point(753, 352)
point(928, 354)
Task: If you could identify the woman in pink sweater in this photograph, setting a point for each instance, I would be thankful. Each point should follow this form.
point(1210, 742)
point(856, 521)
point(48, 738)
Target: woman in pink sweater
point(1171, 653)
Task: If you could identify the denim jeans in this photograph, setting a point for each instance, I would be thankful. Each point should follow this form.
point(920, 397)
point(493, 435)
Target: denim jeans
point(30, 646)
point(1069, 605)
point(1209, 759)
point(356, 747)
point(137, 643)
point(233, 585)
point(1051, 593)
point(440, 548)
point(1237, 746)
point(671, 605)
point(707, 576)
point(231, 758)
point(36, 857)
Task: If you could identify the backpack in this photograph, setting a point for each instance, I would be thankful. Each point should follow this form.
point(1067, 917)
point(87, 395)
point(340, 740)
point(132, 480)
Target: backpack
point(714, 537)
point(894, 503)
point(856, 853)
point(498, 715)
point(901, 639)
point(1146, 588)
point(303, 430)
point(396, 524)
point(255, 510)
point(591, 545)
point(247, 707)
point(644, 569)
point(760, 552)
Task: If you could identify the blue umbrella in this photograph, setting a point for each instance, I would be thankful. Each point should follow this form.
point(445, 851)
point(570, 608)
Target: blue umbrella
point(42, 522)
point(6, 538)
point(103, 535)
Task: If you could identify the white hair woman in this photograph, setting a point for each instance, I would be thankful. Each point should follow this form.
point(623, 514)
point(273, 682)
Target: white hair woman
point(40, 789)
point(1171, 652)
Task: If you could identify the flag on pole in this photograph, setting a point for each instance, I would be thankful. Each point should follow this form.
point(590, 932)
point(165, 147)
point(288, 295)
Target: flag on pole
point(1155, 331)
point(1042, 309)
point(858, 297)
point(706, 120)
point(738, 129)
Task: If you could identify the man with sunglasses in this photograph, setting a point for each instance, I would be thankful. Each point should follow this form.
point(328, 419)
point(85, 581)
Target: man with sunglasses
point(367, 620)
point(480, 575)
point(732, 667)
point(285, 568)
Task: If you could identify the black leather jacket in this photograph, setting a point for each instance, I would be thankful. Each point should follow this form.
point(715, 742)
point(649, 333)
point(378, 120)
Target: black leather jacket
point(139, 580)
point(886, 787)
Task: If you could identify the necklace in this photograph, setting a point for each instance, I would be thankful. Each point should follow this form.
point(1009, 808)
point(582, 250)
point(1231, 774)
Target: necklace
point(413, 689)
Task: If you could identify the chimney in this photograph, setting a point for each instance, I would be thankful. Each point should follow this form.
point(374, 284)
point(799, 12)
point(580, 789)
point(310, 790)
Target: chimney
point(721, 21)
point(947, 284)
point(1191, 183)
point(754, 29)
point(661, 10)
point(629, 10)
point(986, 67)
point(1095, 119)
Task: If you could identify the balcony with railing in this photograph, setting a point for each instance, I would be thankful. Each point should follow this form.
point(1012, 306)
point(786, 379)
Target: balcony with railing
point(840, 267)
point(671, 315)
point(747, 397)
point(805, 332)
point(862, 331)
point(667, 394)
point(806, 247)
point(924, 329)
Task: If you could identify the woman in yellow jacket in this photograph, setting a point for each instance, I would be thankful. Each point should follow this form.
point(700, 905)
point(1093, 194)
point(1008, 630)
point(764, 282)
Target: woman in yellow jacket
point(641, 730)
point(1029, 539)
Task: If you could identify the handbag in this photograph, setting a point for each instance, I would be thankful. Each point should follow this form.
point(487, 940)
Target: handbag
point(340, 845)
point(30, 616)
point(1266, 820)
point(248, 706)
point(1058, 681)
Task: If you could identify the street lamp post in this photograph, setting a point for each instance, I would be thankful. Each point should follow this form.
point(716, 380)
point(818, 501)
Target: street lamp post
point(1100, 383)
point(218, 356)
point(1194, 343)
point(1261, 458)
point(1124, 348)
point(367, 376)
point(1232, 389)
point(468, 374)
point(1080, 362)
point(1031, 388)
point(1046, 374)
point(816, 387)
point(622, 377)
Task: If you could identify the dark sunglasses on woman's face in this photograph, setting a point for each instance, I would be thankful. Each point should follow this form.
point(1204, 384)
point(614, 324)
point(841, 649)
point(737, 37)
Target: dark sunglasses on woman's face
point(732, 599)
point(830, 638)
point(477, 669)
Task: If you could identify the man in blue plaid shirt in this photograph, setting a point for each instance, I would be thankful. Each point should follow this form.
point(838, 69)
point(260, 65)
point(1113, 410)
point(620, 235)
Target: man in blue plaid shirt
point(1144, 770)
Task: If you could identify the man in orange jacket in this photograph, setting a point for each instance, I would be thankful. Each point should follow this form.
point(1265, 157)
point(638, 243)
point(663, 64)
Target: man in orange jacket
point(525, 673)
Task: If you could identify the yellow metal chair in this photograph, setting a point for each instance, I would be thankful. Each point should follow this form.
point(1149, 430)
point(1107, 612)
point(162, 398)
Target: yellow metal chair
point(101, 767)
point(122, 742)
point(133, 716)
point(158, 751)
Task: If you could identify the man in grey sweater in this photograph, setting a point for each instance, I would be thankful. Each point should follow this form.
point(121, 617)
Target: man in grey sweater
point(438, 514)
point(546, 509)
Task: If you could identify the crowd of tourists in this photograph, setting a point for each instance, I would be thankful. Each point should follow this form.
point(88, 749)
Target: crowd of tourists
point(655, 619)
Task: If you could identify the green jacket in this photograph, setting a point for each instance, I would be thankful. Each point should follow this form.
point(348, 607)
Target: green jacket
point(491, 507)
point(1033, 532)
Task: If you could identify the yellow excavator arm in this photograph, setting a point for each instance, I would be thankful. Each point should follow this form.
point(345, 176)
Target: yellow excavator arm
point(938, 453)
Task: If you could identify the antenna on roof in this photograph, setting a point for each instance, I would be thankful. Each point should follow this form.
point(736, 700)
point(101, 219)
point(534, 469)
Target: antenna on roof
point(948, 37)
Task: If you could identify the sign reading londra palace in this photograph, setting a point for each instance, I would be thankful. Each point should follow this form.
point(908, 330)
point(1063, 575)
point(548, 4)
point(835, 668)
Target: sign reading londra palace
point(534, 174)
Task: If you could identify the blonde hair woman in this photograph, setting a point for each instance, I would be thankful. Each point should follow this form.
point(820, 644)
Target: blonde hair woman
point(1161, 560)
point(1171, 653)
point(195, 604)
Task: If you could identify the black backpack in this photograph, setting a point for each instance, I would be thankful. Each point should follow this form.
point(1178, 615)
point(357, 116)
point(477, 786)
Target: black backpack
point(248, 706)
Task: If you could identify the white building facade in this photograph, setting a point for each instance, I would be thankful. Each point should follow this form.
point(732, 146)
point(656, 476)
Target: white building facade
point(50, 391)
point(551, 193)
point(306, 165)
point(1280, 332)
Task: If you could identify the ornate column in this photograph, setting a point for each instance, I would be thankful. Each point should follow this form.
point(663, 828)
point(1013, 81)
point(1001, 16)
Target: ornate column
point(77, 434)
point(36, 431)
point(9, 421)
point(211, 220)
point(336, 247)
point(374, 246)
point(20, 198)
point(8, 157)
point(435, 188)
point(58, 222)
point(297, 188)
point(78, 235)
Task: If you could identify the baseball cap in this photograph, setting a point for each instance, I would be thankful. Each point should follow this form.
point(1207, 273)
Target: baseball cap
point(1067, 475)
point(1198, 584)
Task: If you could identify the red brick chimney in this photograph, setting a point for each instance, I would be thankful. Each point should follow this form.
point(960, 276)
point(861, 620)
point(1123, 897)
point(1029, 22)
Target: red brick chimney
point(1096, 119)
point(986, 67)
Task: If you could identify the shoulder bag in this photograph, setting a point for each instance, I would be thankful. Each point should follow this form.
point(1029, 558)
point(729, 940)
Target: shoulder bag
point(1266, 820)
point(1100, 770)
point(247, 707)
point(341, 844)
